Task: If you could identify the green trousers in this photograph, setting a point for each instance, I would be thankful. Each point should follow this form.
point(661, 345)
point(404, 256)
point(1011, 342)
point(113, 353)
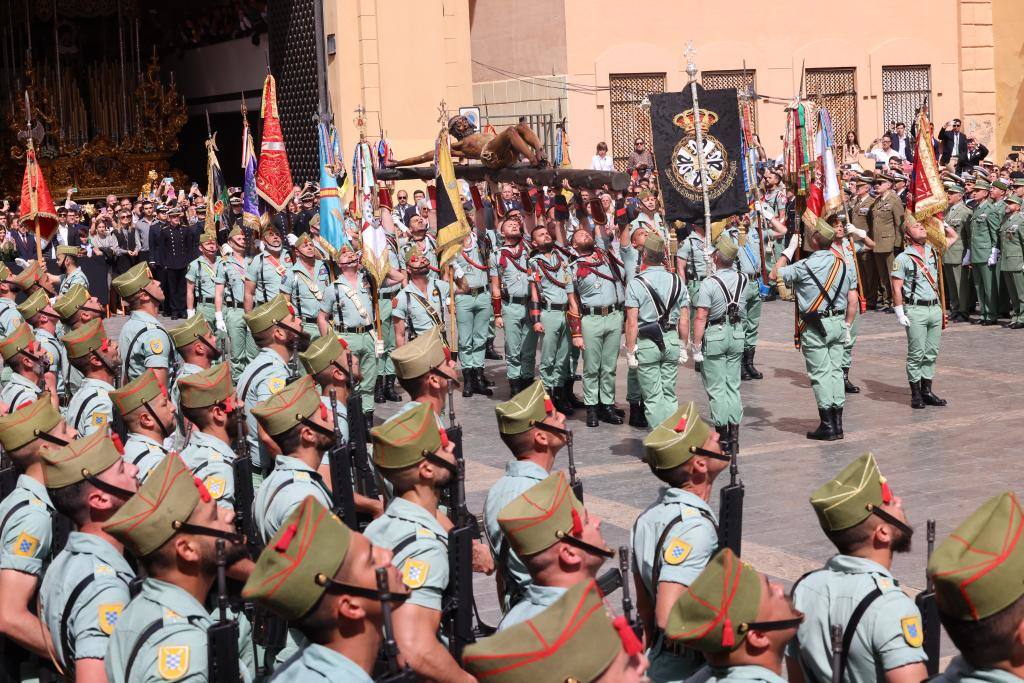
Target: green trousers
point(208, 312)
point(723, 350)
point(657, 373)
point(601, 337)
point(1013, 281)
point(985, 287)
point(243, 346)
point(387, 333)
point(472, 312)
point(362, 347)
point(848, 348)
point(752, 316)
point(823, 357)
point(520, 342)
point(554, 349)
point(923, 335)
point(952, 273)
point(633, 394)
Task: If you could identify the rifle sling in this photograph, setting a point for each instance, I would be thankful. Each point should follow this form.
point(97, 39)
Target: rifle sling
point(65, 643)
point(851, 627)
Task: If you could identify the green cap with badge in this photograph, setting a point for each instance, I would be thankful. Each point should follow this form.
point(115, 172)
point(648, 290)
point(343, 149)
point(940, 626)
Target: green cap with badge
point(299, 561)
point(542, 515)
point(713, 614)
point(235, 232)
point(303, 240)
point(1000, 184)
point(953, 187)
point(421, 355)
point(68, 251)
point(1013, 199)
point(79, 460)
point(726, 247)
point(85, 339)
point(207, 387)
point(166, 499)
point(21, 427)
point(670, 444)
point(289, 407)
point(33, 304)
point(71, 301)
point(848, 499)
point(207, 236)
point(654, 244)
point(978, 570)
point(323, 351)
point(403, 440)
point(267, 315)
point(138, 392)
point(525, 409)
point(981, 184)
point(189, 331)
point(132, 280)
point(18, 341)
point(1018, 181)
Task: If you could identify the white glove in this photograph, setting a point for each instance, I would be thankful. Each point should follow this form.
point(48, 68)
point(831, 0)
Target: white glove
point(378, 347)
point(855, 231)
point(631, 361)
point(967, 258)
point(790, 249)
point(698, 356)
point(190, 312)
point(847, 339)
point(993, 257)
point(292, 239)
point(901, 317)
point(457, 271)
point(225, 249)
point(219, 319)
point(765, 210)
point(683, 355)
point(21, 262)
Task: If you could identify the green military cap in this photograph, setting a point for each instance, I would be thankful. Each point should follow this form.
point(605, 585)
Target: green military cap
point(847, 500)
point(1017, 182)
point(824, 229)
point(266, 315)
point(1001, 184)
point(574, 639)
point(672, 443)
point(323, 351)
point(421, 355)
point(132, 280)
point(654, 244)
point(713, 614)
point(299, 561)
point(726, 247)
point(29, 276)
point(303, 240)
point(86, 339)
point(525, 409)
point(541, 516)
point(138, 392)
point(1013, 199)
point(68, 251)
point(981, 184)
point(5, 272)
point(189, 331)
point(290, 406)
point(235, 232)
point(18, 341)
point(71, 301)
point(165, 500)
point(863, 179)
point(406, 438)
point(207, 387)
point(953, 187)
point(207, 237)
point(978, 570)
point(80, 460)
point(22, 426)
point(33, 304)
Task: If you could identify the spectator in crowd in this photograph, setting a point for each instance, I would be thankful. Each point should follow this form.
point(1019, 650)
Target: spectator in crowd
point(901, 142)
point(976, 153)
point(851, 149)
point(601, 161)
point(640, 161)
point(954, 145)
point(882, 150)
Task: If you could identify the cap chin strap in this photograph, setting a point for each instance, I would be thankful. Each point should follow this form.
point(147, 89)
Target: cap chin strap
point(889, 519)
point(777, 625)
point(104, 363)
point(123, 494)
point(163, 427)
point(436, 371)
point(326, 582)
point(46, 436)
point(697, 450)
point(318, 428)
point(96, 311)
point(435, 459)
point(229, 536)
point(584, 546)
point(216, 351)
point(544, 426)
point(300, 332)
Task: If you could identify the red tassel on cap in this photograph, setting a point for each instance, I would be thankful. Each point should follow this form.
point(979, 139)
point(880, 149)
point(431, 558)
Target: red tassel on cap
point(323, 412)
point(549, 407)
point(577, 524)
point(630, 643)
point(291, 309)
point(118, 444)
point(444, 438)
point(886, 491)
point(286, 537)
point(728, 639)
point(344, 344)
point(680, 426)
point(104, 345)
point(447, 353)
point(229, 404)
point(204, 493)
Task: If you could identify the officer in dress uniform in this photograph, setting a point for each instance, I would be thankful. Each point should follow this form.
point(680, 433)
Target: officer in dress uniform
point(534, 432)
point(957, 282)
point(826, 305)
point(915, 285)
point(651, 347)
point(575, 639)
point(980, 600)
point(304, 578)
point(510, 300)
point(305, 284)
point(97, 359)
point(143, 341)
point(1011, 259)
point(738, 619)
point(176, 247)
point(858, 208)
point(171, 525)
point(28, 362)
point(230, 303)
point(85, 588)
point(559, 542)
point(267, 270)
point(149, 418)
point(674, 538)
point(473, 314)
point(201, 280)
point(278, 335)
point(866, 522)
point(37, 312)
point(26, 526)
point(67, 262)
point(886, 219)
point(418, 459)
point(984, 251)
point(719, 330)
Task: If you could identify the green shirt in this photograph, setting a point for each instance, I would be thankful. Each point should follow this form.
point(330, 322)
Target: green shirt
point(347, 306)
point(960, 671)
point(90, 408)
point(798, 276)
point(596, 280)
point(306, 290)
point(692, 251)
point(291, 482)
point(918, 272)
point(143, 452)
point(712, 297)
point(231, 272)
point(552, 274)
point(77, 277)
point(17, 391)
point(144, 344)
point(263, 377)
point(423, 561)
point(473, 265)
point(748, 672)
point(211, 460)
point(985, 223)
point(660, 281)
point(1011, 242)
point(536, 599)
point(28, 531)
point(203, 276)
point(423, 310)
point(10, 319)
point(268, 272)
point(57, 354)
point(958, 217)
point(318, 663)
point(511, 267)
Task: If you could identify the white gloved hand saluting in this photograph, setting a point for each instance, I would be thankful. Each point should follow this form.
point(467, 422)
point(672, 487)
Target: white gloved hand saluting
point(219, 319)
point(901, 317)
point(993, 257)
point(631, 361)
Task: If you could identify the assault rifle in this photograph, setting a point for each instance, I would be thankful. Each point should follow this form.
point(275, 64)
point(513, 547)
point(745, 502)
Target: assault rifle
point(365, 483)
point(574, 481)
point(8, 474)
point(396, 673)
point(730, 510)
point(929, 609)
point(837, 653)
point(244, 494)
point(340, 463)
point(627, 600)
point(222, 637)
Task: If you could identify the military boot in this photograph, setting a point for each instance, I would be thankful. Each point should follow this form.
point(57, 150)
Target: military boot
point(636, 415)
point(837, 421)
point(489, 352)
point(467, 383)
point(569, 395)
point(592, 420)
point(848, 386)
point(479, 385)
point(378, 390)
point(930, 399)
point(606, 413)
point(389, 389)
point(825, 430)
point(748, 358)
point(916, 400)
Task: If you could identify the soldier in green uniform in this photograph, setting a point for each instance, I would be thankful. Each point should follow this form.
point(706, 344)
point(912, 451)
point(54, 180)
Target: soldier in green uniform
point(305, 284)
point(418, 459)
point(866, 523)
point(555, 315)
point(85, 588)
point(229, 303)
point(384, 387)
point(599, 283)
point(826, 304)
point(279, 336)
point(196, 346)
point(419, 238)
point(957, 282)
point(558, 541)
point(693, 263)
point(67, 263)
point(28, 362)
point(10, 319)
point(534, 432)
point(171, 525)
point(26, 524)
point(748, 262)
point(33, 277)
point(980, 599)
point(208, 402)
point(319, 575)
point(656, 303)
point(149, 417)
point(37, 312)
point(984, 251)
point(575, 639)
point(1011, 259)
point(674, 538)
point(738, 619)
point(201, 280)
point(510, 301)
point(915, 284)
point(267, 270)
point(424, 302)
point(473, 314)
point(719, 330)
point(886, 219)
point(76, 307)
point(97, 359)
point(143, 341)
point(849, 243)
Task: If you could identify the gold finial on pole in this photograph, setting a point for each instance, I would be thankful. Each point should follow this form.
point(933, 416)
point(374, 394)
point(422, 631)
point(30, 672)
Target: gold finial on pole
point(360, 121)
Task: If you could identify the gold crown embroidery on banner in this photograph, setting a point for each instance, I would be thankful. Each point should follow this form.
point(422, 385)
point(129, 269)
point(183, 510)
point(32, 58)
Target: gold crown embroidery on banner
point(688, 120)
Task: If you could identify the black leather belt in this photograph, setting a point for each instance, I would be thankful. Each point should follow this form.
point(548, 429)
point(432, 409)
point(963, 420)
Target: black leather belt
point(830, 313)
point(204, 300)
point(601, 310)
point(923, 302)
point(472, 291)
point(554, 307)
point(386, 297)
point(521, 300)
point(717, 321)
point(355, 330)
point(236, 305)
point(307, 319)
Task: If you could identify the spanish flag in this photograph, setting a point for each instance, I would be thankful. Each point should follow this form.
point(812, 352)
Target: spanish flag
point(452, 224)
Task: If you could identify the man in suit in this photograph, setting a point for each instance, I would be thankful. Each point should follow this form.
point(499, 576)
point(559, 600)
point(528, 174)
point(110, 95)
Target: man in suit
point(976, 153)
point(903, 143)
point(954, 144)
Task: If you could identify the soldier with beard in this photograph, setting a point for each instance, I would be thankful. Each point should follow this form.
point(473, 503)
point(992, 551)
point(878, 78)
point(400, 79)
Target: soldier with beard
point(510, 298)
point(97, 359)
point(144, 341)
point(28, 363)
point(865, 521)
point(208, 402)
point(267, 270)
point(148, 415)
point(67, 262)
point(197, 347)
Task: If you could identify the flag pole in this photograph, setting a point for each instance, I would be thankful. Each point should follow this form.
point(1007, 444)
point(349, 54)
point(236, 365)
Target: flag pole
point(691, 71)
point(32, 160)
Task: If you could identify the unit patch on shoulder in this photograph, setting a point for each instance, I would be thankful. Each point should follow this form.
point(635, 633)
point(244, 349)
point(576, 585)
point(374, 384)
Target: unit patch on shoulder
point(25, 545)
point(275, 384)
point(677, 551)
point(216, 486)
point(172, 662)
point(912, 632)
point(156, 346)
point(414, 573)
point(108, 616)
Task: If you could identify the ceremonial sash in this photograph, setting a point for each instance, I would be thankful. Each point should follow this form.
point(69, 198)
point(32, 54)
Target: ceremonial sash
point(508, 256)
point(351, 294)
point(310, 284)
point(585, 268)
point(548, 270)
point(823, 291)
point(924, 269)
point(428, 307)
point(478, 266)
point(275, 263)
